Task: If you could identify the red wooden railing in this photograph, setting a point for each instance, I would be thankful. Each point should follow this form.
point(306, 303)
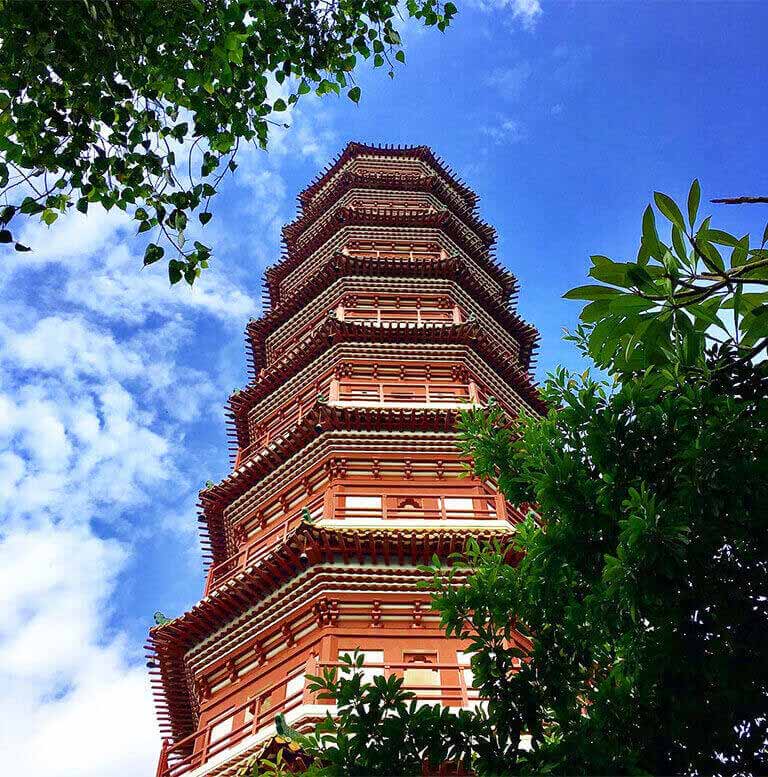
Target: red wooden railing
point(433, 393)
point(247, 719)
point(424, 507)
point(250, 718)
point(405, 392)
point(266, 542)
point(407, 505)
point(406, 312)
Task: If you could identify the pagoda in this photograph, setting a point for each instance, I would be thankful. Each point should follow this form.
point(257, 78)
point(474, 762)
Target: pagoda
point(386, 316)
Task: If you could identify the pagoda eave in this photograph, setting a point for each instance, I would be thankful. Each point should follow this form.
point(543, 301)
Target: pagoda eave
point(353, 149)
point(335, 332)
point(342, 266)
point(351, 181)
point(442, 221)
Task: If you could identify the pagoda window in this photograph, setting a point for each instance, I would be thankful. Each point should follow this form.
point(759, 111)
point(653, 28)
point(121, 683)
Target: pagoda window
point(294, 687)
point(418, 675)
point(222, 729)
point(388, 309)
point(361, 507)
point(419, 502)
point(250, 711)
point(464, 661)
point(409, 389)
point(459, 507)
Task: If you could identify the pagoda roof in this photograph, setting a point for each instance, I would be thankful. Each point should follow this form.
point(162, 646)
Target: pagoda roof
point(395, 218)
point(387, 181)
point(342, 265)
point(319, 419)
point(215, 498)
point(330, 418)
point(423, 153)
point(169, 642)
point(333, 331)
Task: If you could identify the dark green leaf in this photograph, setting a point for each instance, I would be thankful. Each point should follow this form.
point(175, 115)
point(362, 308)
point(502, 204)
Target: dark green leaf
point(669, 208)
point(591, 292)
point(694, 196)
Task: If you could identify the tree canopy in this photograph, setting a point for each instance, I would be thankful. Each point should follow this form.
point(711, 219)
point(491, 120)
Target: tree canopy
point(143, 105)
point(642, 575)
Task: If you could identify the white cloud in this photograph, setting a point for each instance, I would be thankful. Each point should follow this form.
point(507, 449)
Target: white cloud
point(506, 131)
point(510, 80)
point(100, 382)
point(116, 287)
point(524, 11)
point(72, 703)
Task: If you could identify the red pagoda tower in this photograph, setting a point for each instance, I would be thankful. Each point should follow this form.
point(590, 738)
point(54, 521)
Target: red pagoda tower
point(387, 314)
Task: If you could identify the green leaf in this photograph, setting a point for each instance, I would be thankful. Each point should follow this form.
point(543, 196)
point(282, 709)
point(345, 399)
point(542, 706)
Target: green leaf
point(175, 271)
point(153, 254)
point(669, 208)
point(694, 196)
point(303, 87)
point(717, 236)
point(205, 217)
point(630, 303)
point(650, 235)
point(591, 292)
point(354, 94)
point(594, 311)
point(49, 216)
point(279, 105)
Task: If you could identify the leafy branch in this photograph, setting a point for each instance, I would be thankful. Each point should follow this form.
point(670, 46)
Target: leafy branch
point(144, 106)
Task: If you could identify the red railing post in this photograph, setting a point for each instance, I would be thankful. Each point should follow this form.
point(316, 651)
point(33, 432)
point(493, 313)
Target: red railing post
point(501, 508)
point(162, 761)
point(209, 580)
point(310, 668)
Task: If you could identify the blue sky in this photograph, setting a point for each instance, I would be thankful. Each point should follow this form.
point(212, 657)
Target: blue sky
point(564, 117)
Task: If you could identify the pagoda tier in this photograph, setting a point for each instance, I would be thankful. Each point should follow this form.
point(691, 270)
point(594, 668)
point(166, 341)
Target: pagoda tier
point(389, 316)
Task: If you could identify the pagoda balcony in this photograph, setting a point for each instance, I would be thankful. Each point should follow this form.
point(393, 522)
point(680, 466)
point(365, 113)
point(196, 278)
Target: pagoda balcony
point(393, 393)
point(400, 310)
point(239, 731)
point(358, 507)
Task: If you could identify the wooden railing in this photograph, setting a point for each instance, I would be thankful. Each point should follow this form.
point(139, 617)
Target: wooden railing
point(422, 507)
point(405, 506)
point(250, 718)
point(247, 719)
point(381, 315)
point(364, 393)
point(405, 392)
point(266, 542)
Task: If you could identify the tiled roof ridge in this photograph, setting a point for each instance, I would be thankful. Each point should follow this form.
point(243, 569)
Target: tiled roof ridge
point(341, 265)
point(403, 182)
point(355, 148)
point(368, 217)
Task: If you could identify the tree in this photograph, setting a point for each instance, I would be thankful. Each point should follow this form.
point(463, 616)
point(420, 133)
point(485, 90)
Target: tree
point(642, 577)
point(143, 106)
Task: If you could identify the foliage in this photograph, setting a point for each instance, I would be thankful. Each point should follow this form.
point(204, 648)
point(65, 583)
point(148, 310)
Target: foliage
point(642, 587)
point(641, 579)
point(676, 295)
point(380, 729)
point(143, 106)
